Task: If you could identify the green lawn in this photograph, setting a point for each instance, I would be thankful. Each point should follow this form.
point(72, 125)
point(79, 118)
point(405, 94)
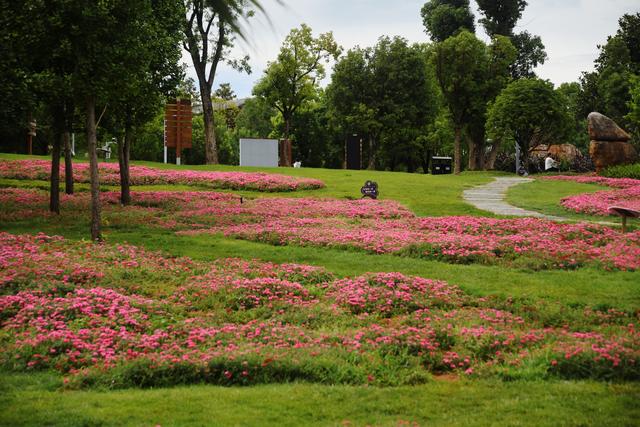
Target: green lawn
point(36, 399)
point(33, 400)
point(544, 196)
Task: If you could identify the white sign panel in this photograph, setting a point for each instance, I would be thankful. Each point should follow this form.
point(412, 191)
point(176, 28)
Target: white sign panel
point(259, 152)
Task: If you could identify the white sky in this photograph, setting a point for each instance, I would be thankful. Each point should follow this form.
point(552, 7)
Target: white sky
point(570, 30)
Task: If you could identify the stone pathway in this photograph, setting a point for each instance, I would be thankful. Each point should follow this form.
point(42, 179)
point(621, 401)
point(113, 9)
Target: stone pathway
point(491, 197)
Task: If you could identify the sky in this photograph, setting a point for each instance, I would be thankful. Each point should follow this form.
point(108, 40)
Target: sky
point(571, 30)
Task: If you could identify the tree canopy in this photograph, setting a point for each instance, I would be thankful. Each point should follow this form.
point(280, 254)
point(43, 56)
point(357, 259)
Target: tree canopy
point(445, 18)
point(292, 79)
point(528, 111)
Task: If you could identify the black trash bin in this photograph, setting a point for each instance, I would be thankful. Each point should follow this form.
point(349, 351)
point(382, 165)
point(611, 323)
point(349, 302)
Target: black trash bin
point(441, 165)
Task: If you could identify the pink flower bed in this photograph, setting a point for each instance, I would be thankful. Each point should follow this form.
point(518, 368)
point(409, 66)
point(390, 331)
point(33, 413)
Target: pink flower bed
point(626, 195)
point(381, 227)
point(141, 175)
point(393, 293)
point(246, 322)
point(599, 203)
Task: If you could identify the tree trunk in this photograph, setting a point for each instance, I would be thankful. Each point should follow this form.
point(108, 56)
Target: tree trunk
point(68, 164)
point(472, 162)
point(490, 160)
point(457, 153)
point(90, 124)
point(372, 153)
point(123, 160)
point(210, 143)
point(54, 194)
point(286, 160)
point(426, 160)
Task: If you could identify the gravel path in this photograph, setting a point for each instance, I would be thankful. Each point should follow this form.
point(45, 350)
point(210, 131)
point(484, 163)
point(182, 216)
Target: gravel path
point(491, 197)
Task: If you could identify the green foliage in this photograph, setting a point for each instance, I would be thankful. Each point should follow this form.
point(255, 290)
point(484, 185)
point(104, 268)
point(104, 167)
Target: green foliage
point(623, 171)
point(633, 118)
point(292, 80)
point(610, 88)
point(388, 95)
point(501, 16)
point(446, 18)
point(254, 120)
point(528, 111)
point(578, 134)
point(531, 53)
point(470, 74)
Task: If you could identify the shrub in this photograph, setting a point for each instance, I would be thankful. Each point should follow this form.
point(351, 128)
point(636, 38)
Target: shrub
point(623, 171)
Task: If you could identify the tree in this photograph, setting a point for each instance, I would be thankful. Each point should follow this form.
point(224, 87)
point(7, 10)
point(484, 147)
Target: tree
point(292, 79)
point(254, 120)
point(578, 132)
point(108, 50)
point(40, 52)
point(225, 92)
point(209, 32)
point(633, 117)
point(153, 76)
point(500, 18)
point(446, 18)
point(608, 88)
point(352, 98)
point(470, 74)
point(528, 111)
point(388, 95)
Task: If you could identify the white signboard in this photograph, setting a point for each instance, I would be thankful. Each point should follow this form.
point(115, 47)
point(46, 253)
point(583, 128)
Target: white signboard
point(259, 152)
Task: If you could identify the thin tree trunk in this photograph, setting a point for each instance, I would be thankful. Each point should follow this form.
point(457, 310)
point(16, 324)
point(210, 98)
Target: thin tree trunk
point(123, 160)
point(90, 107)
point(457, 152)
point(490, 160)
point(372, 155)
point(210, 143)
point(54, 194)
point(68, 164)
point(286, 159)
point(472, 162)
point(426, 160)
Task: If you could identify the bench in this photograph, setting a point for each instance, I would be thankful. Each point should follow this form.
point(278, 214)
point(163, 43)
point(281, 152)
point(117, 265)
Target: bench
point(624, 213)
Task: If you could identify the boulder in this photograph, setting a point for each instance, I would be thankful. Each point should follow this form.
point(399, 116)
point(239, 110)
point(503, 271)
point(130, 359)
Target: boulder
point(602, 128)
point(611, 153)
point(563, 152)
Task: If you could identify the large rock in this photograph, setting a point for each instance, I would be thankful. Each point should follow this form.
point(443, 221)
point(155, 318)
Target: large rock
point(566, 152)
point(611, 153)
point(563, 152)
point(602, 128)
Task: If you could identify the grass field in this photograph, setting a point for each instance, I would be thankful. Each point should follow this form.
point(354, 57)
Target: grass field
point(28, 398)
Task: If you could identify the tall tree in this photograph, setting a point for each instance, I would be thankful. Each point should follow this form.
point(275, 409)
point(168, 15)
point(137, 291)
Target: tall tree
point(469, 74)
point(608, 88)
point(500, 56)
point(387, 95)
point(500, 18)
point(528, 111)
point(154, 74)
point(107, 42)
point(293, 78)
point(446, 18)
point(209, 31)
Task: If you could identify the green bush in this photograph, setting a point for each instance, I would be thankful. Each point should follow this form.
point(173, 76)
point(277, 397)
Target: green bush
point(623, 171)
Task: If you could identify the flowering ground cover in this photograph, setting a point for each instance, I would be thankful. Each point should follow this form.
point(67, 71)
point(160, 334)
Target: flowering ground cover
point(120, 316)
point(374, 226)
point(141, 175)
point(626, 194)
